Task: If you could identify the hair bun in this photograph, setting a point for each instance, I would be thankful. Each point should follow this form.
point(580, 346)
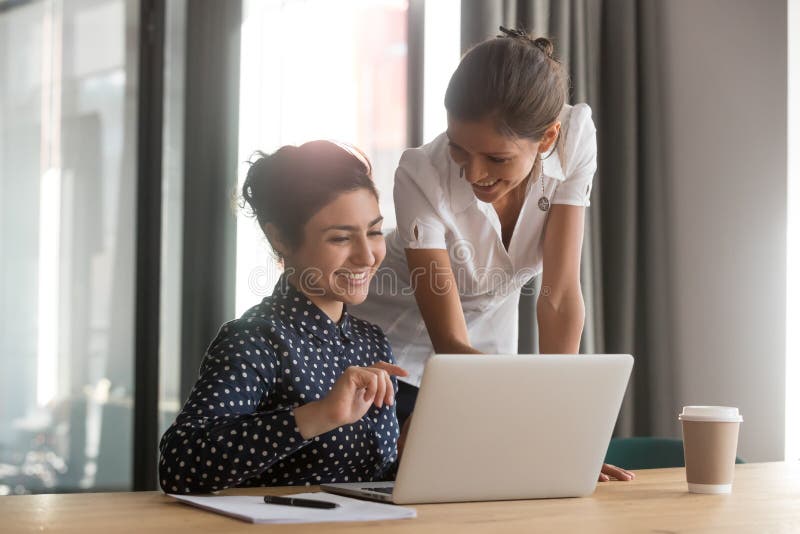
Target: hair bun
point(545, 45)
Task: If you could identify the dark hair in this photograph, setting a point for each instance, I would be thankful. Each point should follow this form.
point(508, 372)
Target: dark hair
point(512, 77)
point(288, 187)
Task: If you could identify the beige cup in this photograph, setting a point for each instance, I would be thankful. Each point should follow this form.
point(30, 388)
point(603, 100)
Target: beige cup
point(710, 437)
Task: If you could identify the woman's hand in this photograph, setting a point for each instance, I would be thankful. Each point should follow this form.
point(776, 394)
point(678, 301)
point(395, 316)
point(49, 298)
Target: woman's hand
point(357, 389)
point(351, 396)
point(609, 471)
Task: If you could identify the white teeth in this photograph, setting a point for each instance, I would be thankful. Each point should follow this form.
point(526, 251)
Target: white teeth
point(356, 276)
point(487, 183)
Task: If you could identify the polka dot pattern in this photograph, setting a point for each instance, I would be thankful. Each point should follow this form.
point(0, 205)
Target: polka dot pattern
point(238, 429)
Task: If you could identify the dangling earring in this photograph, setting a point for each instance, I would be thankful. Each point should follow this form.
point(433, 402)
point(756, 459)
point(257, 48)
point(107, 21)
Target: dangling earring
point(461, 173)
point(544, 202)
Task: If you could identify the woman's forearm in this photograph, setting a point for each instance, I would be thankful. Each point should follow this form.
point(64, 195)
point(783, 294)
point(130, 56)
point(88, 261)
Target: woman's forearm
point(560, 324)
point(454, 346)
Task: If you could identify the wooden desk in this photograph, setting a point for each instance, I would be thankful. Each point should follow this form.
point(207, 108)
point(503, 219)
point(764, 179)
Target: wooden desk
point(766, 498)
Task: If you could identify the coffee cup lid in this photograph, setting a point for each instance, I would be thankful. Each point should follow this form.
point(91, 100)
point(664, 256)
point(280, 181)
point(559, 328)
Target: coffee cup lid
point(724, 414)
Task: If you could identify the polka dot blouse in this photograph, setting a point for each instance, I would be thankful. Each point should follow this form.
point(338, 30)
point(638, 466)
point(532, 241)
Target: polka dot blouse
point(238, 429)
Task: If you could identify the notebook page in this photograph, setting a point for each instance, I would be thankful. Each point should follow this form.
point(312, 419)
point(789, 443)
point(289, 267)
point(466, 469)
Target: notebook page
point(253, 509)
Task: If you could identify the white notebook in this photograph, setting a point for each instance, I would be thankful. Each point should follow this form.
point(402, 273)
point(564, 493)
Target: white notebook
point(253, 509)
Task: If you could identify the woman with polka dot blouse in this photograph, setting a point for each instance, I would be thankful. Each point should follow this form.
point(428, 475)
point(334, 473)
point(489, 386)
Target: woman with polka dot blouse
point(297, 391)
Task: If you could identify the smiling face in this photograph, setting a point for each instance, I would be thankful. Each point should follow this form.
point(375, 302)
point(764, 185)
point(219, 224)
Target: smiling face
point(342, 248)
point(493, 163)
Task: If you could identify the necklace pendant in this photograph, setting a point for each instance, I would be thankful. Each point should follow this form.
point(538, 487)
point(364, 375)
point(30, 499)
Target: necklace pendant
point(544, 204)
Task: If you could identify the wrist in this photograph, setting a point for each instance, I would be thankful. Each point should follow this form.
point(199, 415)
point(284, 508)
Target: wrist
point(313, 419)
point(309, 420)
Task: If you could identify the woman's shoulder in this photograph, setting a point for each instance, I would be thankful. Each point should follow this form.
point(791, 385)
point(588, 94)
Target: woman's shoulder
point(580, 109)
point(579, 136)
point(576, 119)
point(263, 315)
point(253, 328)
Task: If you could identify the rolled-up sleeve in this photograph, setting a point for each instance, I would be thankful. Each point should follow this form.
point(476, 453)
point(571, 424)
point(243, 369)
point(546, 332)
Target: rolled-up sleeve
point(419, 222)
point(581, 159)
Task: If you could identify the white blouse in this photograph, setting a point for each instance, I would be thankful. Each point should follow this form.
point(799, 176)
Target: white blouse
point(431, 198)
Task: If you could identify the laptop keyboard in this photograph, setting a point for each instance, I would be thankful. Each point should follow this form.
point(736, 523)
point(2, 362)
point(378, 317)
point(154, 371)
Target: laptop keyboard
point(388, 490)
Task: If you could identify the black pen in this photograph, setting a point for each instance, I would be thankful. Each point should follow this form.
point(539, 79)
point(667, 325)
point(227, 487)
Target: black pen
point(291, 501)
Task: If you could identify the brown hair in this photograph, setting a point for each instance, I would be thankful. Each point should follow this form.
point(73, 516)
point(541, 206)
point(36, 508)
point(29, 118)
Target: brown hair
point(288, 187)
point(512, 77)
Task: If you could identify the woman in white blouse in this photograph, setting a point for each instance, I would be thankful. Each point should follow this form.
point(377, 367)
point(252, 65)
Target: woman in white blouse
point(497, 199)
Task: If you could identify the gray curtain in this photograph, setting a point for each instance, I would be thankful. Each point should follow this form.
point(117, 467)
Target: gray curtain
point(610, 49)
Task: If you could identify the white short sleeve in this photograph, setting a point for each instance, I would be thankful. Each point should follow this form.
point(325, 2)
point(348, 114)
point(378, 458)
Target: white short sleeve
point(416, 183)
point(580, 149)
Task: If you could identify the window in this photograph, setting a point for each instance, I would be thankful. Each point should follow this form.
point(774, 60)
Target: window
point(315, 69)
point(442, 53)
point(68, 80)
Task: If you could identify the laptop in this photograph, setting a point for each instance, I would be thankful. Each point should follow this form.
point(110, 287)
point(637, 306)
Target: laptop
point(504, 427)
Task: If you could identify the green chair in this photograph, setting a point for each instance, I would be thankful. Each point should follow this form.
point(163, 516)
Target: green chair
point(647, 453)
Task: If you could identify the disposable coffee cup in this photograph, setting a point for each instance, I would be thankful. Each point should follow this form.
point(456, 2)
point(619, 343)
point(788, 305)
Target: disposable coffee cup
point(710, 437)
